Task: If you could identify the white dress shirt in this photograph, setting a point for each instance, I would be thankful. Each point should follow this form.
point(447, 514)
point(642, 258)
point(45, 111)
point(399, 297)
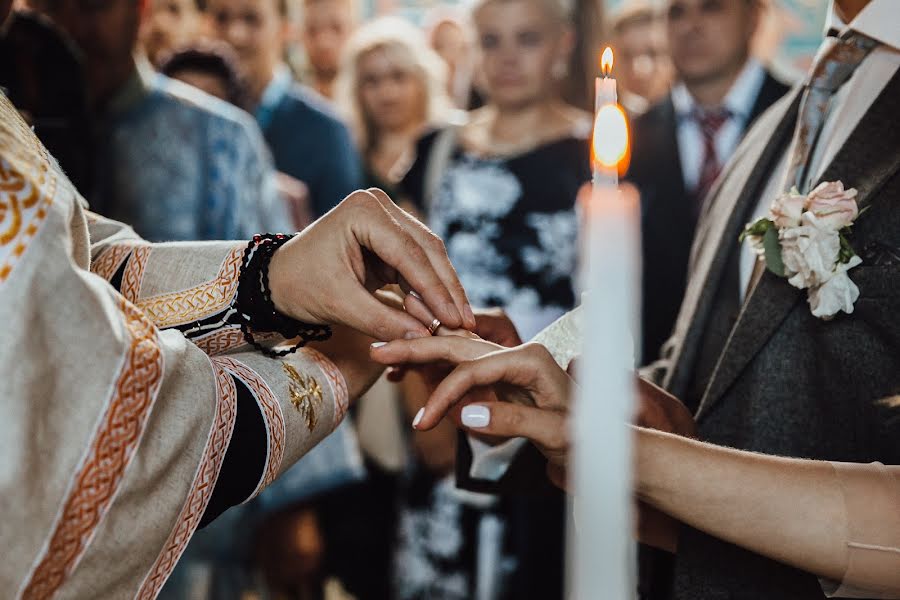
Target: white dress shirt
point(739, 101)
point(878, 20)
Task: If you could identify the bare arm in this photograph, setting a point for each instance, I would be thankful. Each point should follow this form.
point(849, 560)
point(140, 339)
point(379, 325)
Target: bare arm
point(803, 513)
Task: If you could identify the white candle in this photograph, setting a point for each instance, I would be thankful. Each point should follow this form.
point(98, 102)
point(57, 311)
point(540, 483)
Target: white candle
point(603, 559)
point(605, 91)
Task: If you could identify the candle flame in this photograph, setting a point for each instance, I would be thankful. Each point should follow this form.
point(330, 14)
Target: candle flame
point(606, 61)
point(610, 147)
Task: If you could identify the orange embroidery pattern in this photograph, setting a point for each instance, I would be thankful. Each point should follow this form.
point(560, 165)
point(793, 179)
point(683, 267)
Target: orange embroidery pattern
point(97, 480)
point(272, 415)
point(23, 209)
point(221, 340)
point(201, 488)
point(198, 302)
point(110, 260)
point(336, 383)
point(133, 276)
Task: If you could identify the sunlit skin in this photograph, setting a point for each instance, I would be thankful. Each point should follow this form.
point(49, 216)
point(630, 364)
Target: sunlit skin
point(257, 32)
point(167, 25)
point(709, 43)
point(327, 24)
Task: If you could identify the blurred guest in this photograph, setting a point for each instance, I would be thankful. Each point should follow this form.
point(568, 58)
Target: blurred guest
point(168, 24)
point(682, 142)
point(175, 163)
point(391, 86)
point(307, 140)
point(643, 70)
point(500, 191)
point(209, 66)
point(326, 27)
point(44, 79)
point(212, 67)
point(452, 39)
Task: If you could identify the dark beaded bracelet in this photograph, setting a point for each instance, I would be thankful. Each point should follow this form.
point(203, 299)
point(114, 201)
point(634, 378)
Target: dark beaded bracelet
point(254, 306)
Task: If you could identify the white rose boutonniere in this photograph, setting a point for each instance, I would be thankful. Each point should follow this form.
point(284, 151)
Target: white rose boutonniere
point(804, 239)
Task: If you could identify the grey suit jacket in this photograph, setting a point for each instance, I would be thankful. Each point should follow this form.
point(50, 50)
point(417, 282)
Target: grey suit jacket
point(770, 377)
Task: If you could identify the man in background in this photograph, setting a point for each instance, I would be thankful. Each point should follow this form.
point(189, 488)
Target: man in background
point(643, 70)
point(682, 142)
point(175, 163)
point(169, 25)
point(326, 27)
point(307, 140)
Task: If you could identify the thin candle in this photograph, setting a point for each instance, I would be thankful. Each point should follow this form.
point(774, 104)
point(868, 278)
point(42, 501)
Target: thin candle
point(603, 555)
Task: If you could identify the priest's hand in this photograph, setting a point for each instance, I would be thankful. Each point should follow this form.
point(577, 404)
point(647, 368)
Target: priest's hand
point(328, 273)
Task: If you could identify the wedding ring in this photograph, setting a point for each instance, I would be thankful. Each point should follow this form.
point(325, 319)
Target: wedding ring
point(434, 326)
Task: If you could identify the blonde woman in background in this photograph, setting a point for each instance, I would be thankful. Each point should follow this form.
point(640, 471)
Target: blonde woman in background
point(452, 38)
point(392, 85)
point(500, 190)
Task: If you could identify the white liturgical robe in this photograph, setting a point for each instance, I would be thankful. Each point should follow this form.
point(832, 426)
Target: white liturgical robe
point(121, 388)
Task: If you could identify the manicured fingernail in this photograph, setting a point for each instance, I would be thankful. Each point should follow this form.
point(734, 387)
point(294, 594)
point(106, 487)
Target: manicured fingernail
point(415, 294)
point(470, 316)
point(415, 335)
point(418, 418)
point(476, 416)
point(378, 344)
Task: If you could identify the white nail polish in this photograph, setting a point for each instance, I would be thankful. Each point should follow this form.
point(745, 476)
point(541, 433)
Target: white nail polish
point(418, 418)
point(378, 344)
point(476, 416)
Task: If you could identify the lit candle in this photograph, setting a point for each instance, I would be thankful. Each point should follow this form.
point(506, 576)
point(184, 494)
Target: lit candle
point(605, 87)
point(603, 556)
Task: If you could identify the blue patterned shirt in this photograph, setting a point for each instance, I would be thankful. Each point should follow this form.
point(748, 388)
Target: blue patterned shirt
point(178, 164)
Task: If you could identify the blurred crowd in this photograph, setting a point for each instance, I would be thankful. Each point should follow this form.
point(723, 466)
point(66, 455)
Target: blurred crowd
point(218, 119)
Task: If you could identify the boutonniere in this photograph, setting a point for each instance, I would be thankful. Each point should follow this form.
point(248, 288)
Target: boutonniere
point(804, 239)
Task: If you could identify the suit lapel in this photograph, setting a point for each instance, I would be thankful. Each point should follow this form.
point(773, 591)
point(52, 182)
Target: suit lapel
point(723, 214)
point(769, 93)
point(865, 161)
point(665, 139)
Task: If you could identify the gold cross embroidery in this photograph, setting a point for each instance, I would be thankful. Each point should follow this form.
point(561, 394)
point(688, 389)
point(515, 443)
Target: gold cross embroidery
point(306, 395)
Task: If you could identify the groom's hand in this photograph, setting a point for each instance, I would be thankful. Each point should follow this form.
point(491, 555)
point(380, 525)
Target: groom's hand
point(328, 273)
point(658, 409)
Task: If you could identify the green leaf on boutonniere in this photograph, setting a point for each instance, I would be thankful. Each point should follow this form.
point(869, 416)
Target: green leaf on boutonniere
point(757, 229)
point(772, 248)
point(846, 252)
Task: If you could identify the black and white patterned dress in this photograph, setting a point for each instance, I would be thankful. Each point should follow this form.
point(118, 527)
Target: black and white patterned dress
point(510, 224)
point(511, 229)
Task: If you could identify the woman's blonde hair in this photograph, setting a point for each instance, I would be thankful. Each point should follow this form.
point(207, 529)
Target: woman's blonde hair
point(560, 11)
point(407, 47)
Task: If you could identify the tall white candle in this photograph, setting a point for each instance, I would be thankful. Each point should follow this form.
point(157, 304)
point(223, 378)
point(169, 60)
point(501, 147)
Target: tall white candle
point(603, 553)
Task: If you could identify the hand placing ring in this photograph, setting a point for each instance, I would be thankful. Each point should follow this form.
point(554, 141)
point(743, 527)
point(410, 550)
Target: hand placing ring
point(434, 326)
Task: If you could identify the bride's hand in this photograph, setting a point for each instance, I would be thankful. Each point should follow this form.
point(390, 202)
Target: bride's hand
point(533, 390)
